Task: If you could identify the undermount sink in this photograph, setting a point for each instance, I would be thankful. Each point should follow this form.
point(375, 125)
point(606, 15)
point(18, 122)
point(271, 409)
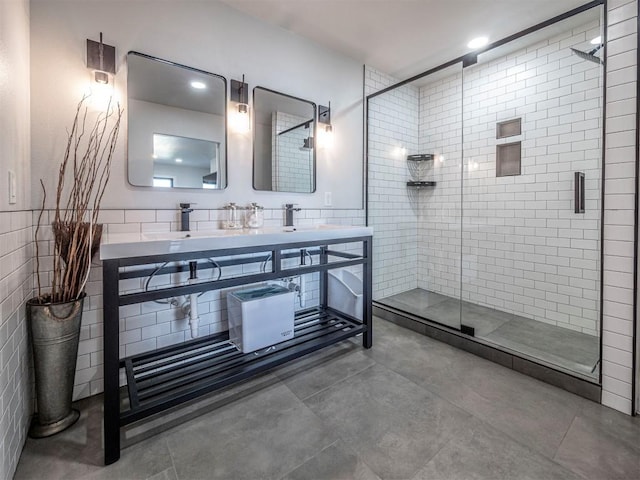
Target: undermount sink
point(128, 245)
point(183, 235)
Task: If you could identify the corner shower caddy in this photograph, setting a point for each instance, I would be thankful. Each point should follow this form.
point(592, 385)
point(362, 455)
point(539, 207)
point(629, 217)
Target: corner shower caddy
point(416, 160)
point(169, 376)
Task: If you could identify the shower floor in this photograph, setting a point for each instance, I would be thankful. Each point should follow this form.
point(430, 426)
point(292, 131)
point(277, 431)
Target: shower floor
point(559, 346)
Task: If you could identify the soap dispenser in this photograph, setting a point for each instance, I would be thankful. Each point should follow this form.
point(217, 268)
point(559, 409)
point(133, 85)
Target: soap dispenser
point(233, 220)
point(255, 216)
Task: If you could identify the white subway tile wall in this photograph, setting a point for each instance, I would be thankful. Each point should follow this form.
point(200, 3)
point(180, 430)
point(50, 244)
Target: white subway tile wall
point(525, 250)
point(291, 163)
point(393, 134)
point(151, 325)
point(439, 230)
point(618, 241)
point(16, 287)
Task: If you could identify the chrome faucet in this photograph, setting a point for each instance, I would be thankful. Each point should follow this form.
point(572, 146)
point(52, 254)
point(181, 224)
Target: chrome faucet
point(185, 210)
point(288, 214)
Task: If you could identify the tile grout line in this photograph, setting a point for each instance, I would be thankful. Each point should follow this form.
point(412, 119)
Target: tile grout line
point(310, 458)
point(173, 463)
point(336, 382)
point(531, 448)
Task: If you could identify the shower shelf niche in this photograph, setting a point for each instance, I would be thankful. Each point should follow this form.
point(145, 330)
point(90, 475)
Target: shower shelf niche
point(420, 184)
point(421, 157)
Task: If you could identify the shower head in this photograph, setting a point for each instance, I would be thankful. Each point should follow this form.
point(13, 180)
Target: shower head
point(590, 56)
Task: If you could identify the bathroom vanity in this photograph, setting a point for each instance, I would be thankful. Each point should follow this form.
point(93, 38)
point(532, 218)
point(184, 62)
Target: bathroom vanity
point(163, 378)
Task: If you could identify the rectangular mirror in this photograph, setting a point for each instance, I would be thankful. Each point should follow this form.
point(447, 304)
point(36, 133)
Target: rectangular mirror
point(284, 157)
point(177, 125)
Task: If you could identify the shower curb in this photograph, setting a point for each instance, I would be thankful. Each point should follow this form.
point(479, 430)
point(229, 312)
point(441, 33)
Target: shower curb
point(544, 373)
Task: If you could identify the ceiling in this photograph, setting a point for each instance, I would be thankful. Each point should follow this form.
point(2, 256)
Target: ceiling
point(403, 37)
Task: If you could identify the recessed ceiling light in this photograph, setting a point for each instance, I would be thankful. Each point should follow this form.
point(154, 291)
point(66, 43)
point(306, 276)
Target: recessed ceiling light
point(178, 160)
point(597, 40)
point(478, 42)
point(198, 85)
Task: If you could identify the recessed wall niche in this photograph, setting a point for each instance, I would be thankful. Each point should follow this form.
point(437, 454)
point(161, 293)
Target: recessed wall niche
point(509, 128)
point(508, 157)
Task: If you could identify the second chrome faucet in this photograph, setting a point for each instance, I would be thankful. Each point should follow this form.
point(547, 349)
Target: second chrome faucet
point(288, 214)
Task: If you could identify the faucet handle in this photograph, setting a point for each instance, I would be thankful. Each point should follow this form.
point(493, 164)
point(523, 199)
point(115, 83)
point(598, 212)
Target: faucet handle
point(187, 205)
point(289, 206)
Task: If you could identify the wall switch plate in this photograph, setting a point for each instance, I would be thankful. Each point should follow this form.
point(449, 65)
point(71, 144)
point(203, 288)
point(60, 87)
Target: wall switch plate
point(327, 199)
point(12, 187)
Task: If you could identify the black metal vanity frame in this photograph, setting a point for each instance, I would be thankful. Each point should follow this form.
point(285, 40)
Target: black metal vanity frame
point(166, 377)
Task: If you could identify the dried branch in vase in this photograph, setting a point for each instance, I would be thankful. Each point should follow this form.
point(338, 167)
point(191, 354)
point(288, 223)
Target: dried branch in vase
point(87, 166)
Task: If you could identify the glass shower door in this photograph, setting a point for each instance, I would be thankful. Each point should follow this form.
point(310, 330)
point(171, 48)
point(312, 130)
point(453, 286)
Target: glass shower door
point(532, 115)
point(414, 205)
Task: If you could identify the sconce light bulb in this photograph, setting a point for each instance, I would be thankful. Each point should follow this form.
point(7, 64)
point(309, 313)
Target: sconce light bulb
point(240, 120)
point(102, 77)
point(325, 137)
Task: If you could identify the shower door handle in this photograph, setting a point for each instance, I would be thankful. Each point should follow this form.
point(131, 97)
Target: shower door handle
point(578, 186)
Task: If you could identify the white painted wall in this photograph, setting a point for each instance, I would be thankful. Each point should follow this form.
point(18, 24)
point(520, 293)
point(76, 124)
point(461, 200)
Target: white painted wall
point(16, 236)
point(210, 36)
point(156, 118)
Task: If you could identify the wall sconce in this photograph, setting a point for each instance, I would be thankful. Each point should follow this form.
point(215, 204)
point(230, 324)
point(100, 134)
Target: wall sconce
point(325, 131)
point(307, 144)
point(101, 59)
point(240, 120)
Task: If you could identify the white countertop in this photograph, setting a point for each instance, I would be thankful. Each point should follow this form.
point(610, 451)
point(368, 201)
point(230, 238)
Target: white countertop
point(127, 245)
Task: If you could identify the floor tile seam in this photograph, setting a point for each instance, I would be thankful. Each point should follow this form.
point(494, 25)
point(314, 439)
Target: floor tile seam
point(590, 421)
point(303, 399)
point(527, 447)
point(530, 448)
point(415, 473)
point(173, 463)
point(485, 421)
point(309, 458)
point(573, 420)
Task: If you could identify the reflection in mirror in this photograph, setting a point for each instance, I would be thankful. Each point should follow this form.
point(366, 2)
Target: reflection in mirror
point(177, 128)
point(283, 145)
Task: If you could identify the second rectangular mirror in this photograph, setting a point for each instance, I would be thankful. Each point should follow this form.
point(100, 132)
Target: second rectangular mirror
point(284, 158)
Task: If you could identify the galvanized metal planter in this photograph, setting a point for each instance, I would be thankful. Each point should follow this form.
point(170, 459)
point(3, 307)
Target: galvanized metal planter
point(54, 329)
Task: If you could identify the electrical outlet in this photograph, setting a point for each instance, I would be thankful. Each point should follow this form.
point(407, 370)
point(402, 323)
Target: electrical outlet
point(12, 187)
point(327, 199)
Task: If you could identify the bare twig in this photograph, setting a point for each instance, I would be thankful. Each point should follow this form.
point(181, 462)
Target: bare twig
point(76, 233)
point(44, 199)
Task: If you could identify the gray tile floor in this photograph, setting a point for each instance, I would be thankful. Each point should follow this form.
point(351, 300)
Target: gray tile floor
point(409, 408)
point(574, 351)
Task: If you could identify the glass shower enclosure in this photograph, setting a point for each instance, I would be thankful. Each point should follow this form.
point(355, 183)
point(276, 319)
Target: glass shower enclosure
point(485, 194)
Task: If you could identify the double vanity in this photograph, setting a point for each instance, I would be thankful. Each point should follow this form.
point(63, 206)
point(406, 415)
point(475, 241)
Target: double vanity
point(163, 378)
point(177, 138)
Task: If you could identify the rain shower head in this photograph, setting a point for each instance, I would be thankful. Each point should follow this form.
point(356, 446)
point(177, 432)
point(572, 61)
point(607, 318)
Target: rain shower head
point(590, 56)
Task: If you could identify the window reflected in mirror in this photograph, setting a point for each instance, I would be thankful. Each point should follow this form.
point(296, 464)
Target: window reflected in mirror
point(177, 127)
point(284, 142)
